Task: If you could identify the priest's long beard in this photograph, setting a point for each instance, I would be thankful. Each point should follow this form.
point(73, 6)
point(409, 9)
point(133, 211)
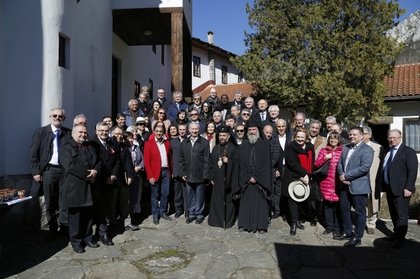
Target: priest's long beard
point(253, 138)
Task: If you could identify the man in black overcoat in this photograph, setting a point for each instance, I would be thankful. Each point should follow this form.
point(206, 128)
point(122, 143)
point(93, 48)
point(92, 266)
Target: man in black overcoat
point(81, 165)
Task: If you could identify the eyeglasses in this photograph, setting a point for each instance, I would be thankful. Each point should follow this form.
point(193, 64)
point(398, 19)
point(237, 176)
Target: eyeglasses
point(192, 114)
point(161, 113)
point(245, 114)
point(141, 124)
point(239, 131)
point(196, 98)
point(393, 138)
point(57, 116)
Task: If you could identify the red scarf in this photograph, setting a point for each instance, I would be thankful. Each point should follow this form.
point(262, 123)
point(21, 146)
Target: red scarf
point(209, 137)
point(306, 161)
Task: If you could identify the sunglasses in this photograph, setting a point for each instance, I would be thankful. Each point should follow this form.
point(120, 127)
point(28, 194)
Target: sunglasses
point(245, 114)
point(161, 113)
point(57, 116)
point(141, 124)
point(192, 114)
point(239, 131)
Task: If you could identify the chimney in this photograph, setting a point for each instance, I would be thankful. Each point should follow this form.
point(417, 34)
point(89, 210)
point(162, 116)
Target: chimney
point(210, 38)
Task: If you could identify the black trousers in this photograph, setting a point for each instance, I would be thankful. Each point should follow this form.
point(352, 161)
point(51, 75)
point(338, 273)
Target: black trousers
point(180, 195)
point(52, 183)
point(102, 202)
point(80, 225)
point(398, 208)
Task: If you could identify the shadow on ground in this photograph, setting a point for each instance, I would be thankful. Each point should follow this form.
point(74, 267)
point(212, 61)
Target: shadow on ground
point(380, 261)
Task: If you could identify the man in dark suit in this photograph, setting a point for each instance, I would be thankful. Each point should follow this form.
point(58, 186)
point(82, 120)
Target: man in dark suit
point(106, 181)
point(180, 190)
point(47, 170)
point(399, 178)
point(238, 100)
point(284, 140)
point(81, 165)
point(353, 170)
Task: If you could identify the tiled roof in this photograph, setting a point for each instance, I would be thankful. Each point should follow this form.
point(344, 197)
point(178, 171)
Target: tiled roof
point(405, 82)
point(229, 89)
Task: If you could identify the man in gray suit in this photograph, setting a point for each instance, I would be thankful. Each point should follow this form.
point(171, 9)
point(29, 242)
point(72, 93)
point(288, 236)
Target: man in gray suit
point(353, 170)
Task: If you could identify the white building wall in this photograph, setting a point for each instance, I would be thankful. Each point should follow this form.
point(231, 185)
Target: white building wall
point(205, 75)
point(140, 63)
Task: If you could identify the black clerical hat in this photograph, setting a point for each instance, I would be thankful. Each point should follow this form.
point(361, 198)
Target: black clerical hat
point(224, 129)
point(253, 123)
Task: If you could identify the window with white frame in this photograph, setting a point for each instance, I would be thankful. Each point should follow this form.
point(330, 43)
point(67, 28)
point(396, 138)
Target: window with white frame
point(224, 75)
point(196, 66)
point(412, 132)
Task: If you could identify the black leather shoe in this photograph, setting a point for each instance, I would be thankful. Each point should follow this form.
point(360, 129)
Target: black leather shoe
point(299, 225)
point(343, 236)
point(178, 214)
point(92, 244)
point(155, 220)
point(293, 227)
point(327, 231)
point(352, 242)
point(199, 221)
point(313, 223)
point(132, 227)
point(166, 217)
point(106, 240)
point(275, 216)
point(189, 220)
point(336, 233)
point(78, 249)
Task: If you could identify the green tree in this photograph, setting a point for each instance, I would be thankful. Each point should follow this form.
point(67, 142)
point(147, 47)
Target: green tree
point(330, 55)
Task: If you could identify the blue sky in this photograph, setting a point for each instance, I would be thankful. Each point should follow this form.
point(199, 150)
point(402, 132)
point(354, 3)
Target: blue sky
point(228, 20)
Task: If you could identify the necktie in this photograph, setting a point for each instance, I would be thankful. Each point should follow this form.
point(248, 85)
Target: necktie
point(388, 166)
point(262, 116)
point(104, 143)
point(57, 141)
point(177, 105)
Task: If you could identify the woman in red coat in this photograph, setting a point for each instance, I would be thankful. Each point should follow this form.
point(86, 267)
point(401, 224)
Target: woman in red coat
point(329, 185)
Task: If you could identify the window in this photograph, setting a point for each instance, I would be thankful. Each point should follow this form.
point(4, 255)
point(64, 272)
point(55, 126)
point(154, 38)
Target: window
point(196, 65)
point(63, 51)
point(240, 77)
point(224, 75)
point(136, 89)
point(411, 133)
point(162, 55)
point(151, 89)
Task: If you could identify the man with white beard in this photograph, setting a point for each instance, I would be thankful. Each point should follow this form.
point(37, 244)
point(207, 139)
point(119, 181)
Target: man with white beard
point(255, 181)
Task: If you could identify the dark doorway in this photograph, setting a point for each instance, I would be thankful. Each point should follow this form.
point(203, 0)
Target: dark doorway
point(379, 133)
point(115, 86)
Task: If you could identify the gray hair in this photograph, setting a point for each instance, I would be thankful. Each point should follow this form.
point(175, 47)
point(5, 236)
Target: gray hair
point(62, 111)
point(132, 100)
point(249, 98)
point(276, 107)
point(217, 112)
point(301, 113)
point(177, 93)
point(197, 95)
point(144, 88)
point(79, 116)
point(316, 122)
point(331, 118)
point(99, 124)
point(367, 130)
point(238, 92)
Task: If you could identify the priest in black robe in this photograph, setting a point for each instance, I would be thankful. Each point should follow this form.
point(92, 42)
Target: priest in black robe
point(224, 174)
point(255, 185)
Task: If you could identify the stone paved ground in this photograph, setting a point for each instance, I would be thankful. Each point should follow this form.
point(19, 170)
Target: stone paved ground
point(174, 249)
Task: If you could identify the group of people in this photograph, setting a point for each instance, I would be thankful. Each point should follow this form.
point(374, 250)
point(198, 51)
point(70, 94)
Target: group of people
point(252, 160)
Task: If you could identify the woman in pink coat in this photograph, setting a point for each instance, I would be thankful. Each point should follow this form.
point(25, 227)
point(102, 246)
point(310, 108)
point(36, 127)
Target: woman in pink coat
point(329, 184)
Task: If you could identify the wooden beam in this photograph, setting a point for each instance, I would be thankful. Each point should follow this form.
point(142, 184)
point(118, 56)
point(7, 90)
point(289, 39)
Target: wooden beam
point(177, 51)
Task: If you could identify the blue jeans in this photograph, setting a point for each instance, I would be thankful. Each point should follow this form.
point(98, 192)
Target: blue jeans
point(359, 204)
point(160, 191)
point(196, 199)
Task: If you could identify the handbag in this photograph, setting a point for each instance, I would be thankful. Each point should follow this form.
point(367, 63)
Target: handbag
point(315, 193)
point(323, 171)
